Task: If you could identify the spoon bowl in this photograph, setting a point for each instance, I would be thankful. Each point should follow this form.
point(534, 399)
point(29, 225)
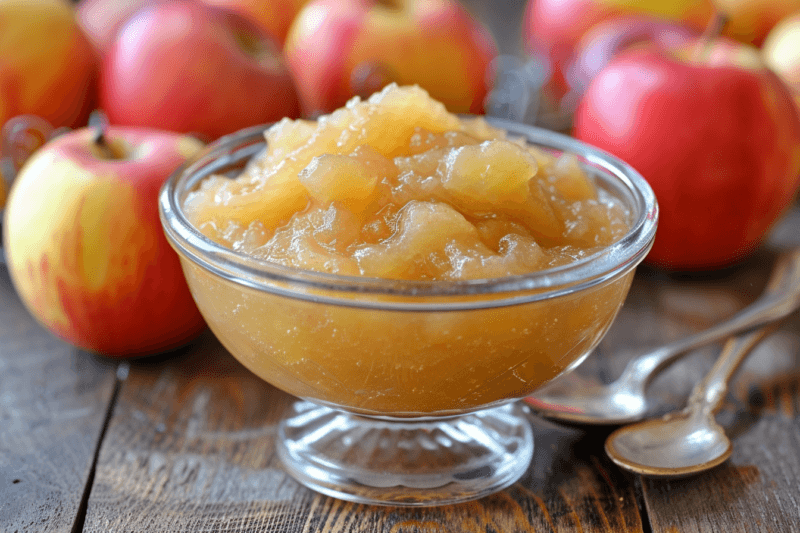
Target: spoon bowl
point(679, 445)
point(690, 441)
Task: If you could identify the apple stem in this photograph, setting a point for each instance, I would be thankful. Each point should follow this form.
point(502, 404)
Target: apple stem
point(100, 137)
point(394, 5)
point(99, 122)
point(100, 141)
point(712, 31)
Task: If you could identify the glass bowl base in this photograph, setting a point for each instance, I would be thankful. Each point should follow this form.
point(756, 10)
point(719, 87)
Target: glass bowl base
point(406, 462)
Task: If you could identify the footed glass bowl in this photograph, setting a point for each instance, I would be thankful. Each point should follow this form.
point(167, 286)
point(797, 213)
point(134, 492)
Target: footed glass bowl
point(407, 389)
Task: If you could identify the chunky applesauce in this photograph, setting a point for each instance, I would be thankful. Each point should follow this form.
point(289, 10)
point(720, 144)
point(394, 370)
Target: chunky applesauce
point(396, 187)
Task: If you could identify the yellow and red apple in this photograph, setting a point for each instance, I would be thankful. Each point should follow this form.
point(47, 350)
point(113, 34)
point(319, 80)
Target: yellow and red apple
point(186, 67)
point(47, 66)
point(274, 17)
point(714, 132)
point(750, 21)
point(337, 49)
point(553, 28)
point(782, 52)
point(85, 247)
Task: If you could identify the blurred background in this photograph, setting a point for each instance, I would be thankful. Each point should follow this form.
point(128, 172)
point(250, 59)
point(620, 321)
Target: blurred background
point(543, 55)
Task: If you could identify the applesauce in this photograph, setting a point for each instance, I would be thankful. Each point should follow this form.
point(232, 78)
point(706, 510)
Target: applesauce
point(396, 187)
point(382, 222)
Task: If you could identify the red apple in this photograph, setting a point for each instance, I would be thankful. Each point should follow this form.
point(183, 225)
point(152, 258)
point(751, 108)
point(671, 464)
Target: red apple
point(186, 67)
point(610, 37)
point(47, 66)
point(340, 48)
point(85, 247)
point(782, 52)
point(553, 28)
point(713, 131)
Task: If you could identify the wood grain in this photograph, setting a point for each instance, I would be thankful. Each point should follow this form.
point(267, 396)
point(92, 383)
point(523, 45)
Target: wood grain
point(191, 448)
point(53, 402)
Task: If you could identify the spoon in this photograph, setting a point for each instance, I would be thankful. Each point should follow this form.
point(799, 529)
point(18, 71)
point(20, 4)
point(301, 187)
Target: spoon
point(689, 441)
point(575, 399)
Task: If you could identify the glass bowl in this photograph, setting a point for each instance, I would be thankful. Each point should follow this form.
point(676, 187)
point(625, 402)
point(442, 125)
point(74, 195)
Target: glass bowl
point(407, 390)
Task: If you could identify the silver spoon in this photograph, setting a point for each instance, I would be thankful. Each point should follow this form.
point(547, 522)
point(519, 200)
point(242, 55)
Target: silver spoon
point(576, 399)
point(689, 441)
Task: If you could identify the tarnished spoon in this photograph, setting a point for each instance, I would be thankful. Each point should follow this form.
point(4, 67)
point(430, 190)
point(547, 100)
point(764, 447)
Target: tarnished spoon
point(575, 399)
point(689, 441)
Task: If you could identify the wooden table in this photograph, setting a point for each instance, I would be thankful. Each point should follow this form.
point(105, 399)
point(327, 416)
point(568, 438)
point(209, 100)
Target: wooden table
point(185, 442)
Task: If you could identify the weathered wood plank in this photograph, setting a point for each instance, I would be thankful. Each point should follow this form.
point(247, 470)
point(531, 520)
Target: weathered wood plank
point(53, 402)
point(191, 448)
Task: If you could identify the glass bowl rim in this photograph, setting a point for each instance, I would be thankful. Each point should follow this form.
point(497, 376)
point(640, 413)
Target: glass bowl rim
point(266, 276)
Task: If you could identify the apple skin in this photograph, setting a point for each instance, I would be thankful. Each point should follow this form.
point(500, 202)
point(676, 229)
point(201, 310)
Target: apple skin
point(781, 51)
point(101, 19)
point(613, 36)
point(85, 247)
point(435, 44)
point(553, 28)
point(274, 17)
point(718, 139)
point(750, 21)
point(48, 67)
point(181, 66)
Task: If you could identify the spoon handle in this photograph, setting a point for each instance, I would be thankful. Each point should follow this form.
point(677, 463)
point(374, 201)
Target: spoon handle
point(707, 395)
point(780, 297)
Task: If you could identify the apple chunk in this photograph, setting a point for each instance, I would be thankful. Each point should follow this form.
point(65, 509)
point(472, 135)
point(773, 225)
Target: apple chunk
point(332, 177)
point(493, 172)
